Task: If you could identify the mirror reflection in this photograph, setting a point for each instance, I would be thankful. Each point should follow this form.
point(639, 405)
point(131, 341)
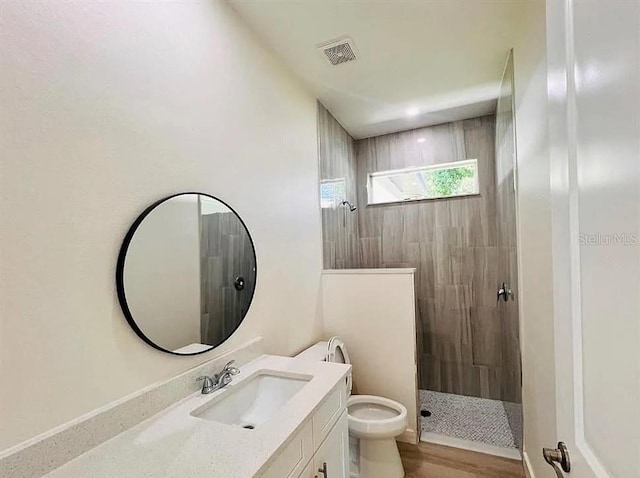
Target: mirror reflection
point(186, 273)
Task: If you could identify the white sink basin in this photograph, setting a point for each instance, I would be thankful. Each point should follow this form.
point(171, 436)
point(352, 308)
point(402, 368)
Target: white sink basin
point(251, 403)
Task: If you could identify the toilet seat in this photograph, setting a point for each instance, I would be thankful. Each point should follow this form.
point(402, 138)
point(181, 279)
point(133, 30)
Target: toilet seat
point(375, 417)
point(337, 353)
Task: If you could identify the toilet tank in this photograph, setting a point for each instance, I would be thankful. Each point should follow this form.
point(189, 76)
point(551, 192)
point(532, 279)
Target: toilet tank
point(315, 353)
point(318, 353)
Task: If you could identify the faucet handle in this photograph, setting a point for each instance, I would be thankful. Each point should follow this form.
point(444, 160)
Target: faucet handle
point(207, 385)
point(229, 368)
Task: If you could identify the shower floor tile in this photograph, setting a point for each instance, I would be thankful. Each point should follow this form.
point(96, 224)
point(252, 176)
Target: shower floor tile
point(468, 418)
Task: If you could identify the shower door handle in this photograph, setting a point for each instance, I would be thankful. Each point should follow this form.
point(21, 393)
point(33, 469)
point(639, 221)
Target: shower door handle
point(504, 292)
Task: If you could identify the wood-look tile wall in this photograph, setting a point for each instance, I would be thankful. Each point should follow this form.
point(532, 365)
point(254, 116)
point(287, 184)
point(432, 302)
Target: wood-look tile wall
point(339, 225)
point(507, 251)
point(226, 252)
point(453, 244)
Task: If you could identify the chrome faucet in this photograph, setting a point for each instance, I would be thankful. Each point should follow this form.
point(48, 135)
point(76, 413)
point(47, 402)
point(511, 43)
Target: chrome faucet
point(224, 377)
point(220, 379)
point(207, 384)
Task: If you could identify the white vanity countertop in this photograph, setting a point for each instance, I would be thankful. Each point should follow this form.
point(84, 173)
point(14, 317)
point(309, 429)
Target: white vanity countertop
point(173, 443)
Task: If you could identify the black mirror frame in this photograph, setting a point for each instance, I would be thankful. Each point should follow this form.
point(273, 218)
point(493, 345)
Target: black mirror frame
point(122, 297)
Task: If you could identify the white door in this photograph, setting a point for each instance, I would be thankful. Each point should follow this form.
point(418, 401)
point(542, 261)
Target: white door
point(594, 94)
point(308, 471)
point(332, 458)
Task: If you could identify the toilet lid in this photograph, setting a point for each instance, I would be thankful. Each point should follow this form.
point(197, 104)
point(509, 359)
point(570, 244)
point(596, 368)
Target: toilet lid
point(337, 353)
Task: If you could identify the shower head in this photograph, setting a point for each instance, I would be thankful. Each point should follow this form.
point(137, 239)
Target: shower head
point(351, 206)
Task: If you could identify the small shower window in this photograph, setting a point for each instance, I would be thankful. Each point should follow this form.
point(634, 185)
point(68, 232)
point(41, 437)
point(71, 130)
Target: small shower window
point(446, 180)
point(332, 192)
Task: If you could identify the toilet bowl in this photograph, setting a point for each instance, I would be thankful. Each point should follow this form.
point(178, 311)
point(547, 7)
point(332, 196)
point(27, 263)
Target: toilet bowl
point(377, 421)
point(376, 417)
point(374, 422)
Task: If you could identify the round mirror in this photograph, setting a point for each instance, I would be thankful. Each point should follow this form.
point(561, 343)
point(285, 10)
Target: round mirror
point(186, 273)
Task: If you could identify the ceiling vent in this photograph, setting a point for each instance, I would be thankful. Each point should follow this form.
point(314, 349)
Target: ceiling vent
point(338, 51)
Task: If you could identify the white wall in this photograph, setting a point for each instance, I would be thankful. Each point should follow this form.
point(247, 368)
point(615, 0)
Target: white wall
point(374, 312)
point(534, 236)
point(162, 273)
point(105, 108)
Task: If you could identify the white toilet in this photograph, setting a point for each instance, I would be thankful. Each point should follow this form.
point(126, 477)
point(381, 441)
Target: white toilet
point(374, 422)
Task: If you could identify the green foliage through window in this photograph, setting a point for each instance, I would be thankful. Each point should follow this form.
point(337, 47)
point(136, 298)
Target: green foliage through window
point(447, 182)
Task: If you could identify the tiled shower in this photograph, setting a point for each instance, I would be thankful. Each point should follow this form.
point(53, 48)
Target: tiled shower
point(463, 249)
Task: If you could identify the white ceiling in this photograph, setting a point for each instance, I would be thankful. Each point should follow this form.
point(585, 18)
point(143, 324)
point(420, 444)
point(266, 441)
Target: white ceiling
point(420, 62)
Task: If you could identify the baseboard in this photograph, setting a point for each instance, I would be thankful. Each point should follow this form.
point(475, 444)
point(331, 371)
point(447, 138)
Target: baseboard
point(511, 453)
point(409, 436)
point(528, 469)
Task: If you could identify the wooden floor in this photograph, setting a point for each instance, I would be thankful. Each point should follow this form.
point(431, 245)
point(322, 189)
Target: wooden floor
point(427, 460)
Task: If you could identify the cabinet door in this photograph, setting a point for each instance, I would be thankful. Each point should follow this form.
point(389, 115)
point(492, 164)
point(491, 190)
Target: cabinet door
point(294, 457)
point(332, 458)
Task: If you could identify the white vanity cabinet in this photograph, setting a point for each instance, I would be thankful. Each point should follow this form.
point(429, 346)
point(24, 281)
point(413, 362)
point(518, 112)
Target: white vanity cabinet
point(321, 448)
point(332, 458)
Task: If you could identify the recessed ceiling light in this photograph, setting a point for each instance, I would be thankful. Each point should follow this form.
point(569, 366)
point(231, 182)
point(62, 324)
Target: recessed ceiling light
point(413, 111)
point(421, 140)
